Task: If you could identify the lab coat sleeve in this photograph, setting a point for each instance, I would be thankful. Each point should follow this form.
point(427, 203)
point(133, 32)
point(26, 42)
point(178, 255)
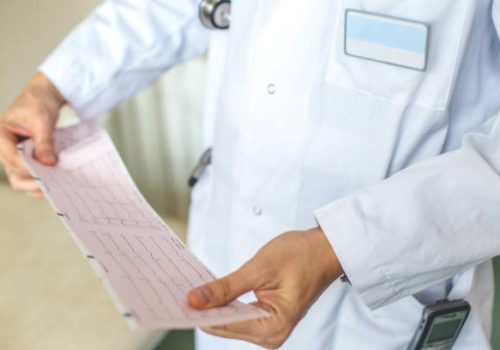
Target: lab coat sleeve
point(122, 47)
point(423, 225)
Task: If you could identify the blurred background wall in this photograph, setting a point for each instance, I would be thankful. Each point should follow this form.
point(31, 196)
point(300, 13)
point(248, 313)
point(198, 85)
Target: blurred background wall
point(29, 30)
point(157, 132)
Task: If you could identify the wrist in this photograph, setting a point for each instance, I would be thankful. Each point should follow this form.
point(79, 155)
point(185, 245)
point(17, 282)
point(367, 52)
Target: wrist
point(41, 88)
point(332, 269)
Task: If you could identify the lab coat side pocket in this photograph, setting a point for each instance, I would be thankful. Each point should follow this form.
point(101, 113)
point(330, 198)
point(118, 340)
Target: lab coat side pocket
point(448, 24)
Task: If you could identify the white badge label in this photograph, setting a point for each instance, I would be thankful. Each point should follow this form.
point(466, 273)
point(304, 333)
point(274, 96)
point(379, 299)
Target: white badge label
point(386, 39)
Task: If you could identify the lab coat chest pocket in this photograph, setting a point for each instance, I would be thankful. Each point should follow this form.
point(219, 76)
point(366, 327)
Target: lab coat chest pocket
point(448, 23)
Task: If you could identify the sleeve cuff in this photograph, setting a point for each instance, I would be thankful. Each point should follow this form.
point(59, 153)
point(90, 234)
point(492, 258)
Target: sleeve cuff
point(344, 226)
point(65, 73)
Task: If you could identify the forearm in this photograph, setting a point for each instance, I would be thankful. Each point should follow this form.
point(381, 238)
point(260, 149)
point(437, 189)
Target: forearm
point(423, 225)
point(121, 48)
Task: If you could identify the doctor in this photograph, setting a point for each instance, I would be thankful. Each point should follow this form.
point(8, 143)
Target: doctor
point(367, 128)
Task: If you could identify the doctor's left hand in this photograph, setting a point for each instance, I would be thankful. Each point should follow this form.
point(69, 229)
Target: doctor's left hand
point(287, 275)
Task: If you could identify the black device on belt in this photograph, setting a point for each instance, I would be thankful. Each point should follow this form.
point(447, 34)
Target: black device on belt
point(440, 325)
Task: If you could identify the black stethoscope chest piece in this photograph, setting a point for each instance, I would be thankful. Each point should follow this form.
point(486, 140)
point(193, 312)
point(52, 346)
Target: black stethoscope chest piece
point(215, 14)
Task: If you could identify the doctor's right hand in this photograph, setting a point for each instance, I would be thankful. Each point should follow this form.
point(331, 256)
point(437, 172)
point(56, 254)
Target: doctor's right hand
point(32, 115)
point(287, 275)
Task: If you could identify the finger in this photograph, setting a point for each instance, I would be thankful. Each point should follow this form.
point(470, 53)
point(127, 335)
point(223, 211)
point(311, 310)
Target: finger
point(8, 153)
point(253, 328)
point(18, 130)
point(224, 290)
point(270, 332)
point(262, 332)
point(220, 332)
point(36, 194)
point(23, 185)
point(257, 328)
point(20, 173)
point(44, 142)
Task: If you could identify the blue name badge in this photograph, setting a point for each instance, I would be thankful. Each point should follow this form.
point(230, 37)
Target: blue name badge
point(386, 39)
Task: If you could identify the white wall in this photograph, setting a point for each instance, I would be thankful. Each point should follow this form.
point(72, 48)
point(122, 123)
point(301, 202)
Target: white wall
point(29, 30)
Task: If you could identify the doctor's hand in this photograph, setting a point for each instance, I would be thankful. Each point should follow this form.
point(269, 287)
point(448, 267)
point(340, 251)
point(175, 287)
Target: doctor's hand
point(32, 115)
point(287, 275)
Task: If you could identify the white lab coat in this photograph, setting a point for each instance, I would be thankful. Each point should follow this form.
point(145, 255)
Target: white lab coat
point(303, 134)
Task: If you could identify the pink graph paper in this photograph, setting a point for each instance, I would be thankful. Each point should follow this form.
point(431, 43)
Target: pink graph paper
point(144, 266)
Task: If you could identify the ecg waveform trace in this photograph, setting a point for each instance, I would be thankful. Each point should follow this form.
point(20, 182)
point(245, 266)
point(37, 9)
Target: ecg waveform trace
point(146, 269)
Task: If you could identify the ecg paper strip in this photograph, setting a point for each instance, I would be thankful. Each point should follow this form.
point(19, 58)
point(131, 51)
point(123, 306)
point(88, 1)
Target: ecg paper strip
point(147, 270)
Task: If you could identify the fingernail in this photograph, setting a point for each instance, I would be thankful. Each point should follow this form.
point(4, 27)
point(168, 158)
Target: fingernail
point(48, 156)
point(202, 294)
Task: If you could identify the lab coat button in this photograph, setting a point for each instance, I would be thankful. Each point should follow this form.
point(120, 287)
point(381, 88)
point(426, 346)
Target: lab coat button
point(257, 211)
point(271, 89)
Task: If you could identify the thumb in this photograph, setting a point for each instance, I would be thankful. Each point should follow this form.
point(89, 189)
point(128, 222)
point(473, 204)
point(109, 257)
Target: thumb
point(222, 291)
point(44, 143)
